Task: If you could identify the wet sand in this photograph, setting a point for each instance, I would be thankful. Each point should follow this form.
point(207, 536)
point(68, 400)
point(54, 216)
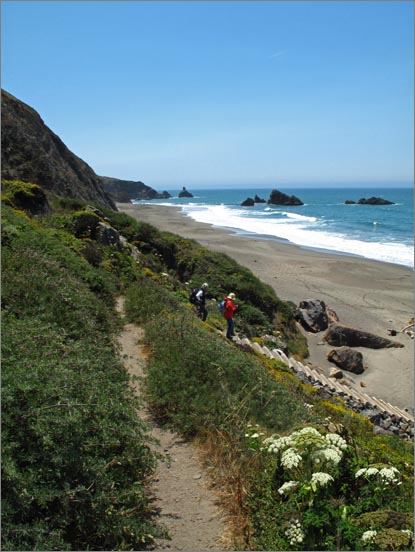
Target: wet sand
point(368, 295)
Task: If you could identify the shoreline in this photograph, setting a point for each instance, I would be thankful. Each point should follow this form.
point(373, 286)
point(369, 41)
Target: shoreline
point(366, 294)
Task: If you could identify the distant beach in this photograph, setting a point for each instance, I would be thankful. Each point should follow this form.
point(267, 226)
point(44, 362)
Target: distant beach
point(369, 295)
point(324, 222)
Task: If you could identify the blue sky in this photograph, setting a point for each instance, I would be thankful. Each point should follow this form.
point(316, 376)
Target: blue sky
point(221, 93)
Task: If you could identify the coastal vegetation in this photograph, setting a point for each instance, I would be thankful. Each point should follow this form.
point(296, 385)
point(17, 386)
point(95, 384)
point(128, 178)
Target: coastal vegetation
point(298, 471)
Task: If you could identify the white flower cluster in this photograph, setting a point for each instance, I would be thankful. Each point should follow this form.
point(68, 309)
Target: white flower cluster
point(326, 449)
point(336, 441)
point(369, 536)
point(288, 487)
point(290, 458)
point(330, 454)
point(321, 479)
point(295, 533)
point(388, 476)
point(274, 444)
point(367, 472)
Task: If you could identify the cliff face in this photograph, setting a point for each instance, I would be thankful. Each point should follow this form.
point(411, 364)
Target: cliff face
point(123, 191)
point(31, 152)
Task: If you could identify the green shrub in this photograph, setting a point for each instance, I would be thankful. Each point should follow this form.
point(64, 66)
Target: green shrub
point(76, 457)
point(85, 224)
point(23, 195)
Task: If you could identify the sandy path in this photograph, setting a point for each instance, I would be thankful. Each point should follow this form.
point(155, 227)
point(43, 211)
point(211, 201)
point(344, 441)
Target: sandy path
point(186, 505)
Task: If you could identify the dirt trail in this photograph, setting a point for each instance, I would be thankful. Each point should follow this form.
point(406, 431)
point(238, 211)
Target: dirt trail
point(187, 506)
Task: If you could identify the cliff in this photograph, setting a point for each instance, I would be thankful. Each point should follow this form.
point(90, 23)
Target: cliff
point(31, 152)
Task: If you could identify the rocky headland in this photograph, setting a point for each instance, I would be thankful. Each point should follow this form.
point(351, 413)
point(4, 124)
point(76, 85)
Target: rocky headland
point(125, 191)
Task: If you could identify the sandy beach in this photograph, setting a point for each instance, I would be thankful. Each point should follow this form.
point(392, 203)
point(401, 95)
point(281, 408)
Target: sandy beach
point(367, 295)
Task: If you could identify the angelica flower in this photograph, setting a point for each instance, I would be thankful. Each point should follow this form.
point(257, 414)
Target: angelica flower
point(367, 472)
point(322, 479)
point(331, 455)
point(290, 458)
point(387, 475)
point(275, 444)
point(295, 533)
point(287, 487)
point(307, 431)
point(336, 441)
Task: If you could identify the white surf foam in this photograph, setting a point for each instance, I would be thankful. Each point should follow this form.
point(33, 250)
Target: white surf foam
point(302, 231)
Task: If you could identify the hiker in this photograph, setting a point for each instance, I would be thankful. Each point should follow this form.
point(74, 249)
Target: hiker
point(230, 309)
point(200, 301)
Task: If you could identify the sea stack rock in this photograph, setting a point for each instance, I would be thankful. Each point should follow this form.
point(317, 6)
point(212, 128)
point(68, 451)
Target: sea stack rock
point(258, 199)
point(185, 193)
point(369, 201)
point(278, 198)
point(374, 201)
point(249, 202)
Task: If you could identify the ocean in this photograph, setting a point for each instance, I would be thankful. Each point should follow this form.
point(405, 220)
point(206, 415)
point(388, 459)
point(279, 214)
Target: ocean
point(325, 223)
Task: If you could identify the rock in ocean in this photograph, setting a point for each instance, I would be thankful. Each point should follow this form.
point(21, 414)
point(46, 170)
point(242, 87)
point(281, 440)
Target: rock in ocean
point(278, 198)
point(185, 193)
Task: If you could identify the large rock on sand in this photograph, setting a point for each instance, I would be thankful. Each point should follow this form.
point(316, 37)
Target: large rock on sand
point(347, 359)
point(312, 315)
point(339, 335)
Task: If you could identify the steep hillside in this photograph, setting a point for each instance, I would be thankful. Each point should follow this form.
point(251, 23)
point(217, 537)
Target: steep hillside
point(33, 153)
point(77, 461)
point(123, 191)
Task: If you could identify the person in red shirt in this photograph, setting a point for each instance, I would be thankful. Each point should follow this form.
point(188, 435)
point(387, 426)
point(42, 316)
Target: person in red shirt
point(230, 309)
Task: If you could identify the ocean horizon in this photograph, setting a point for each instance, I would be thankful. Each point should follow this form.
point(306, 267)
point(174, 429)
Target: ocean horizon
point(325, 223)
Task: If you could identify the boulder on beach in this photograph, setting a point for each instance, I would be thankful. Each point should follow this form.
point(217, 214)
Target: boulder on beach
point(347, 359)
point(278, 198)
point(312, 315)
point(249, 202)
point(339, 335)
point(185, 193)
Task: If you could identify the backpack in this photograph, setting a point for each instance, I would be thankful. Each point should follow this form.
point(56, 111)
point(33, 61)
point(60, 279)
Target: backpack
point(221, 305)
point(192, 296)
